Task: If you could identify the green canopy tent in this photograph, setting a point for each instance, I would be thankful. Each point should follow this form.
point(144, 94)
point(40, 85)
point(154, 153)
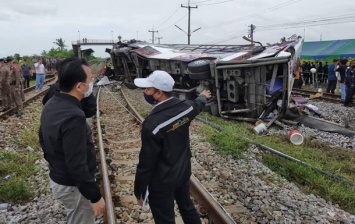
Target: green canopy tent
point(327, 50)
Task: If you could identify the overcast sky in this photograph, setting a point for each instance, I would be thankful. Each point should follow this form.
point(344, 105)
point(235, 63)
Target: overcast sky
point(29, 27)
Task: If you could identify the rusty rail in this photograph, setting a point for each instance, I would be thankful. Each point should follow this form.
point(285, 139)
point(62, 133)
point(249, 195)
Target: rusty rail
point(326, 96)
point(109, 216)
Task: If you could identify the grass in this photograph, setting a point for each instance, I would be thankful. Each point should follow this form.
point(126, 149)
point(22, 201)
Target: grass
point(29, 136)
point(21, 164)
point(339, 161)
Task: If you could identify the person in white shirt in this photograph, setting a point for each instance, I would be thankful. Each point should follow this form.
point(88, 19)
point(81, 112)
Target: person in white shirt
point(39, 75)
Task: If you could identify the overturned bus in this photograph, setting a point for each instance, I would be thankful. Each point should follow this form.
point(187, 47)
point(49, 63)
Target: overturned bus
point(248, 82)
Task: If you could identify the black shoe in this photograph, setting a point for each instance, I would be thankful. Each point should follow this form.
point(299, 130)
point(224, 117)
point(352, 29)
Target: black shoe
point(19, 113)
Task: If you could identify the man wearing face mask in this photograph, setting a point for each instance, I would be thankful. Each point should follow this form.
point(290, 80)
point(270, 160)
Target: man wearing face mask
point(164, 166)
point(63, 136)
point(88, 104)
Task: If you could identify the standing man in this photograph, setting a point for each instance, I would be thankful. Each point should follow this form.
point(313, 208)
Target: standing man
point(26, 73)
point(64, 139)
point(332, 78)
point(350, 83)
point(341, 69)
point(16, 86)
point(5, 85)
point(39, 67)
point(164, 160)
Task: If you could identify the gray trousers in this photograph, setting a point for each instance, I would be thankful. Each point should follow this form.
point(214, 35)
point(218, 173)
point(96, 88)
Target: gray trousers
point(78, 208)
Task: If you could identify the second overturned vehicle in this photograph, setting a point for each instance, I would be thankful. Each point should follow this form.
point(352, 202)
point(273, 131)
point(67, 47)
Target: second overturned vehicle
point(248, 82)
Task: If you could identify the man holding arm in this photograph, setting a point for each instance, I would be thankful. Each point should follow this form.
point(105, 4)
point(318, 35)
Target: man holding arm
point(164, 160)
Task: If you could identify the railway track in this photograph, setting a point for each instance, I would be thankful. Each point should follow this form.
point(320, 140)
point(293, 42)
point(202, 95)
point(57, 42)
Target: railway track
point(324, 96)
point(119, 148)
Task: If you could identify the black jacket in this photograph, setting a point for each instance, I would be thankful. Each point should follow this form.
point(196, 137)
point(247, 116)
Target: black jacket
point(65, 138)
point(341, 70)
point(88, 104)
point(164, 159)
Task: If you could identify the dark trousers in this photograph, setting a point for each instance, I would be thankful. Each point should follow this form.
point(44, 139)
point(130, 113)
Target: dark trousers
point(26, 83)
point(306, 77)
point(331, 86)
point(349, 95)
point(297, 83)
point(162, 205)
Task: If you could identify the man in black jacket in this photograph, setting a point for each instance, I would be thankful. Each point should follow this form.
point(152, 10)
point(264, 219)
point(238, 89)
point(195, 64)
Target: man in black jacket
point(164, 160)
point(88, 104)
point(63, 136)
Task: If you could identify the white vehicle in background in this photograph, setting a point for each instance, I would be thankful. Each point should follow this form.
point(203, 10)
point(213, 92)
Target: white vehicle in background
point(247, 81)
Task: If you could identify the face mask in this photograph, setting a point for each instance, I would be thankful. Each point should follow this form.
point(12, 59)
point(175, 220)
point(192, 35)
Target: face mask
point(150, 99)
point(91, 86)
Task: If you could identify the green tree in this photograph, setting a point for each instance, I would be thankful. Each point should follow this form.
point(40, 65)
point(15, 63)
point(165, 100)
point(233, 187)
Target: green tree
point(17, 56)
point(61, 44)
point(44, 53)
point(60, 54)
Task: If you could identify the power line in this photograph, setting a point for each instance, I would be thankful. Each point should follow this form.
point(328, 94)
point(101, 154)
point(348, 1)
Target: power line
point(174, 23)
point(230, 36)
point(253, 14)
point(311, 21)
point(216, 3)
point(169, 16)
point(200, 2)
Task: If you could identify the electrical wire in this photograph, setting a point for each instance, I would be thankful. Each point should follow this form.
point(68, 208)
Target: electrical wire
point(215, 3)
point(175, 22)
point(252, 15)
point(332, 19)
point(231, 36)
point(169, 17)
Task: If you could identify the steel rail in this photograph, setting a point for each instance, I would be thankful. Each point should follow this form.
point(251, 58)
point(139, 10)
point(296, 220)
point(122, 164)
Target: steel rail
point(34, 86)
point(281, 154)
point(326, 96)
point(109, 215)
point(216, 213)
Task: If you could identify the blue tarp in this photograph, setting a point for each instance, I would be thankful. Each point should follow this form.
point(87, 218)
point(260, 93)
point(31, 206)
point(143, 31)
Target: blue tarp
point(328, 49)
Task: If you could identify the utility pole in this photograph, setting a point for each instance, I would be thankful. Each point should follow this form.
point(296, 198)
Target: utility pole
point(158, 38)
point(188, 25)
point(251, 31)
point(153, 31)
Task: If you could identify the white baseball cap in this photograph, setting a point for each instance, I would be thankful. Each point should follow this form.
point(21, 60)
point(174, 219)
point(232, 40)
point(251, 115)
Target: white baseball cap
point(158, 79)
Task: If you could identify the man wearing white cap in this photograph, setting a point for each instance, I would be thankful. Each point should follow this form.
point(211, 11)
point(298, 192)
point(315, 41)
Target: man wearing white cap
point(164, 160)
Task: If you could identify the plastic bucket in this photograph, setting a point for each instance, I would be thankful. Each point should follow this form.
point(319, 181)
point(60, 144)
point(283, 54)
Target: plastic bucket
point(260, 128)
point(296, 137)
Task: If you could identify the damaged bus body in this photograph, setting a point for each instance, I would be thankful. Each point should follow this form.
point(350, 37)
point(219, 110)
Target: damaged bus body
point(247, 81)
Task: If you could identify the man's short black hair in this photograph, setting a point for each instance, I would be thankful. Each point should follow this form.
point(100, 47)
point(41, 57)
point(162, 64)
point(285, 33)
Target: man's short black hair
point(70, 73)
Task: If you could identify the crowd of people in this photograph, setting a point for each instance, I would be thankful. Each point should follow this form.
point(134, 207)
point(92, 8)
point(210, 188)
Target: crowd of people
point(338, 72)
point(11, 85)
point(15, 76)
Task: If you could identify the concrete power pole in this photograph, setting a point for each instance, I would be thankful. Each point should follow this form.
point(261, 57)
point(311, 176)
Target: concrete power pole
point(153, 31)
point(158, 38)
point(188, 26)
point(251, 32)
